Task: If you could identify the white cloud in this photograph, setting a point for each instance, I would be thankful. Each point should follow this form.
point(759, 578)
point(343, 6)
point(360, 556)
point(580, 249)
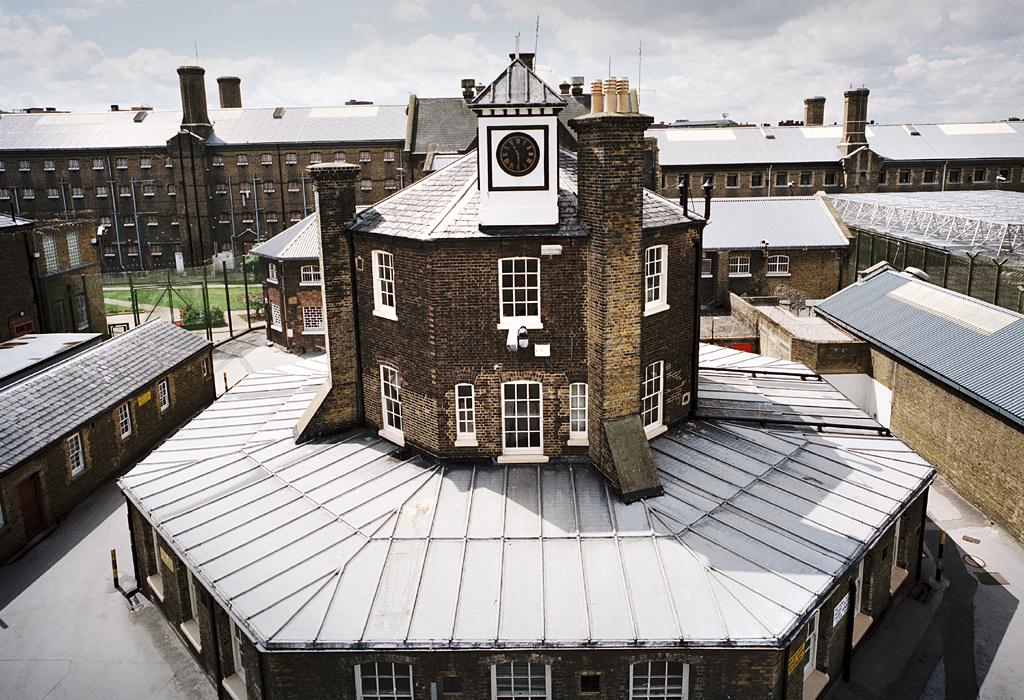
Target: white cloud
point(477, 13)
point(409, 10)
point(87, 9)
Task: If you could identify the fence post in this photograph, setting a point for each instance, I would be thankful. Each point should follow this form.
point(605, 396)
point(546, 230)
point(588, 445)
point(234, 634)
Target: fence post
point(245, 282)
point(999, 275)
point(206, 306)
point(970, 271)
point(135, 301)
point(170, 296)
point(945, 271)
point(227, 297)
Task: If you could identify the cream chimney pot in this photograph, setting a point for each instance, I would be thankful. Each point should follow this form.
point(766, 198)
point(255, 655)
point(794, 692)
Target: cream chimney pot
point(596, 97)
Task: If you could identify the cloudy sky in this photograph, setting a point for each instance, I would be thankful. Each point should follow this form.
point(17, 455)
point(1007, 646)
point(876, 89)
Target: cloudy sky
point(924, 60)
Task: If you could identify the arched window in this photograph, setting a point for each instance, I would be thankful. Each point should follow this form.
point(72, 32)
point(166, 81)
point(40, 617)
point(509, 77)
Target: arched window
point(739, 265)
point(778, 265)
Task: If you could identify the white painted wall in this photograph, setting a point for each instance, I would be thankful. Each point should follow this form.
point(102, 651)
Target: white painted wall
point(869, 395)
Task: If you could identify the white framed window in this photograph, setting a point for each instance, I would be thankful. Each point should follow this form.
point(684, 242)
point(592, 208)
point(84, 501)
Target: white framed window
point(706, 269)
point(81, 311)
point(391, 405)
point(271, 272)
point(124, 420)
point(664, 680)
point(778, 265)
point(465, 416)
point(655, 279)
point(858, 598)
point(519, 293)
point(651, 396)
point(145, 162)
point(236, 651)
point(384, 285)
point(811, 654)
point(190, 613)
point(97, 164)
point(739, 266)
point(732, 181)
point(49, 166)
point(313, 320)
point(206, 367)
point(163, 393)
point(522, 680)
point(76, 456)
point(578, 413)
point(896, 546)
point(50, 252)
point(383, 681)
point(275, 316)
point(522, 418)
point(309, 274)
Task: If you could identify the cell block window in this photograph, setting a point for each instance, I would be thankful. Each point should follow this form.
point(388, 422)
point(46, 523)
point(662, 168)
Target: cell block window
point(465, 412)
point(310, 274)
point(929, 177)
point(97, 164)
point(293, 185)
point(23, 166)
point(904, 177)
point(49, 166)
point(291, 158)
point(77, 193)
point(217, 160)
point(315, 158)
point(980, 175)
point(522, 416)
point(145, 163)
point(778, 265)
point(651, 394)
point(664, 680)
point(830, 178)
point(519, 289)
point(954, 175)
point(578, 410)
point(732, 180)
point(781, 179)
point(739, 265)
point(384, 681)
point(364, 156)
point(521, 680)
point(268, 186)
point(266, 159)
point(28, 193)
point(148, 189)
point(655, 277)
point(366, 185)
point(52, 193)
point(313, 319)
point(390, 184)
point(74, 251)
point(242, 160)
point(339, 156)
point(389, 156)
point(391, 398)
point(384, 284)
point(121, 163)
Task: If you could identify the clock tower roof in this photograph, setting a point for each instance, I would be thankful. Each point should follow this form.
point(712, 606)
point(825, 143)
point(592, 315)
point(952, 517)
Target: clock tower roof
point(517, 86)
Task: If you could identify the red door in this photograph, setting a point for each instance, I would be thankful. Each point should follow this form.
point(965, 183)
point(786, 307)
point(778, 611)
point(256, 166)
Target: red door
point(31, 506)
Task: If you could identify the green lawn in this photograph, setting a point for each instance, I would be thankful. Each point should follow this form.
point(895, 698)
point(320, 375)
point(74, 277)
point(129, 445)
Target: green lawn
point(191, 296)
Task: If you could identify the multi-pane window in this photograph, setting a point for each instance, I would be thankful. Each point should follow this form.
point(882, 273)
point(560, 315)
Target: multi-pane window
point(236, 649)
point(778, 265)
point(739, 265)
point(522, 680)
point(148, 189)
point(171, 191)
point(315, 158)
point(145, 162)
point(245, 189)
point(806, 179)
point(384, 284)
point(124, 420)
point(77, 193)
point(578, 411)
point(522, 420)
point(275, 316)
point(312, 319)
point(519, 291)
point(651, 393)
point(293, 185)
point(339, 156)
point(364, 156)
point(757, 179)
point(266, 159)
point(811, 658)
point(295, 216)
point(242, 160)
point(465, 414)
point(3, 167)
point(60, 316)
point(706, 269)
point(102, 192)
point(655, 278)
point(664, 680)
point(390, 184)
point(52, 193)
point(389, 156)
point(929, 177)
point(366, 184)
point(221, 188)
point(291, 158)
point(76, 457)
point(223, 217)
point(390, 399)
point(74, 253)
point(5, 194)
point(97, 164)
point(50, 252)
point(121, 163)
point(268, 186)
point(383, 681)
point(217, 160)
point(163, 393)
point(49, 166)
point(310, 274)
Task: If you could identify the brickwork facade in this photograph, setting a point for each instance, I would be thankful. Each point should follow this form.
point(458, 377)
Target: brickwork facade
point(814, 273)
point(293, 290)
point(19, 307)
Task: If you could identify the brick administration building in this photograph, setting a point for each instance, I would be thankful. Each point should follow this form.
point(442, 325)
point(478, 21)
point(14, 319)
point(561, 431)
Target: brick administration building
point(500, 478)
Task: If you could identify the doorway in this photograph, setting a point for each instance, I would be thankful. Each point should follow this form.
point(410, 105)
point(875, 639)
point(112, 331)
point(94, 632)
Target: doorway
point(32, 516)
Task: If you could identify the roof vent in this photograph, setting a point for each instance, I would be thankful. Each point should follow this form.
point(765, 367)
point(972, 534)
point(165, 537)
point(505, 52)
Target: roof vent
point(911, 129)
point(279, 113)
point(918, 273)
point(767, 134)
point(140, 116)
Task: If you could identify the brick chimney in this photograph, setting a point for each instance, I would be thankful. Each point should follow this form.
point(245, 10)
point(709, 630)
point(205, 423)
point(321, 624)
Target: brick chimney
point(814, 111)
point(193, 97)
point(855, 119)
point(339, 403)
point(230, 89)
point(611, 173)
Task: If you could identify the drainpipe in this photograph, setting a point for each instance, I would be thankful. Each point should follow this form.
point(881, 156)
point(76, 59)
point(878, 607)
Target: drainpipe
point(355, 320)
point(943, 188)
point(848, 637)
point(920, 537)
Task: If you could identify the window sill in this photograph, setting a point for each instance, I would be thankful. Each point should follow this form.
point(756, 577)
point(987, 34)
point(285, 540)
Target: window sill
point(707, 277)
point(656, 308)
point(654, 431)
point(740, 274)
point(303, 284)
point(861, 624)
point(814, 684)
point(191, 630)
point(778, 274)
point(279, 329)
point(529, 323)
point(583, 441)
point(387, 313)
point(156, 584)
point(896, 579)
point(319, 332)
point(235, 686)
point(522, 459)
point(270, 281)
point(392, 435)
point(467, 442)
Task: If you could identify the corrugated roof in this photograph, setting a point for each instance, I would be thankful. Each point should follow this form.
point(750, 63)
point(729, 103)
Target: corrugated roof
point(45, 406)
point(300, 241)
point(973, 347)
point(108, 130)
point(446, 204)
point(347, 543)
point(995, 140)
point(740, 223)
point(518, 86)
point(748, 144)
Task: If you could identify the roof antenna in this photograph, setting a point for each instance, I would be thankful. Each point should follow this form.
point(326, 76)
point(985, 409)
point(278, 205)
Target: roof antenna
point(639, 64)
point(609, 66)
point(195, 45)
point(536, 40)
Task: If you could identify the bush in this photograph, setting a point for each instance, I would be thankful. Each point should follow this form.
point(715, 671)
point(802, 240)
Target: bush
point(193, 318)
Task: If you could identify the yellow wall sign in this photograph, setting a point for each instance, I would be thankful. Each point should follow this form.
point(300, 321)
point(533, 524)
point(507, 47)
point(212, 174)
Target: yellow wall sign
point(797, 656)
point(166, 559)
point(144, 398)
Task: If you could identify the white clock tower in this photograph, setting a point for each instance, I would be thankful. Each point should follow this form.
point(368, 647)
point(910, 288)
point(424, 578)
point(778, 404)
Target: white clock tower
point(517, 122)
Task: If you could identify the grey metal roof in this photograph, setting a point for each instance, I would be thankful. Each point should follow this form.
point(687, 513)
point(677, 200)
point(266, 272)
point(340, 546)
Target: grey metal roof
point(46, 406)
point(989, 140)
point(740, 223)
point(348, 543)
point(111, 130)
point(973, 347)
point(518, 86)
point(446, 204)
point(747, 144)
point(20, 354)
point(300, 241)
point(8, 221)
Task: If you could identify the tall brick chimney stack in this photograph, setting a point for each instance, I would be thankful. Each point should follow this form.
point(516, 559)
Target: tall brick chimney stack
point(855, 119)
point(193, 98)
point(814, 111)
point(229, 87)
point(339, 403)
point(611, 170)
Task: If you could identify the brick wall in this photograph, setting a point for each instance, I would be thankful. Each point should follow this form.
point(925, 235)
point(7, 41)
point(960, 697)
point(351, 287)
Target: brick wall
point(17, 298)
point(291, 295)
point(814, 273)
point(721, 176)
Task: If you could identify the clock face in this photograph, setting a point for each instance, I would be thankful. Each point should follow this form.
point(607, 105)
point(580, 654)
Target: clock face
point(518, 154)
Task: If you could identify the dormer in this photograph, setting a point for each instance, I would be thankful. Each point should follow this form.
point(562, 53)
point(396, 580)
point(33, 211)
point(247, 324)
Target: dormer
point(517, 122)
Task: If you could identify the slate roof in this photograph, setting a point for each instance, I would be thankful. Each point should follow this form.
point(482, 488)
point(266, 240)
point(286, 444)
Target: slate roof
point(106, 130)
point(518, 86)
point(348, 543)
point(970, 346)
point(444, 124)
point(300, 241)
point(46, 406)
point(446, 204)
point(741, 223)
